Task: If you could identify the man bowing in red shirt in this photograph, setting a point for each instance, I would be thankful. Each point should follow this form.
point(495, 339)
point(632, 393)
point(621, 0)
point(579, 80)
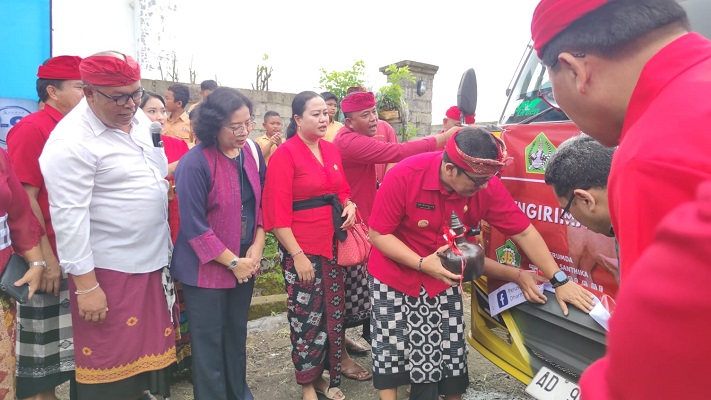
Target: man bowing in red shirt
point(363, 154)
point(629, 73)
point(418, 332)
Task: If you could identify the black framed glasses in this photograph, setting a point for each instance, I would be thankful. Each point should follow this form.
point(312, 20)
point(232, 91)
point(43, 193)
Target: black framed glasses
point(240, 129)
point(477, 181)
point(566, 209)
point(121, 100)
point(576, 55)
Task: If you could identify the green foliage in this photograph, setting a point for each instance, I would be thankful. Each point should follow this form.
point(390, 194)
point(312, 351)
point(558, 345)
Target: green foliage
point(391, 96)
point(271, 248)
point(271, 283)
point(408, 132)
point(338, 82)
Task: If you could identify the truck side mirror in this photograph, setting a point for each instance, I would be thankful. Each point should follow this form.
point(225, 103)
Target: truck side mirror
point(467, 93)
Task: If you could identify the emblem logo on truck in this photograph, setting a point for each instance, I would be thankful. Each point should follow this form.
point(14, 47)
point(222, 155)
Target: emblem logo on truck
point(508, 254)
point(538, 153)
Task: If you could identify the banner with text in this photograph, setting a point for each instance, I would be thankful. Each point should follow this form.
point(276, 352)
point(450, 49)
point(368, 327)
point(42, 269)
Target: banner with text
point(587, 257)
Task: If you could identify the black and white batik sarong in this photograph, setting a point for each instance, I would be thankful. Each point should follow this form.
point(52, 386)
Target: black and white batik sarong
point(417, 336)
point(45, 344)
point(357, 304)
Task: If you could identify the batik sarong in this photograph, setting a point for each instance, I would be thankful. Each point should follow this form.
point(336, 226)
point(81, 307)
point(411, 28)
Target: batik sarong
point(417, 340)
point(315, 313)
point(8, 324)
point(183, 350)
point(357, 305)
point(137, 335)
point(45, 346)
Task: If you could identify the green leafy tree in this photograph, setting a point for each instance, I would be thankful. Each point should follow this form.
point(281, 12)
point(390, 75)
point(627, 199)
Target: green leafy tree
point(337, 82)
point(391, 96)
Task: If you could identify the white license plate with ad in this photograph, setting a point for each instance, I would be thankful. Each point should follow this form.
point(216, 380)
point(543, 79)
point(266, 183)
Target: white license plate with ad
point(548, 385)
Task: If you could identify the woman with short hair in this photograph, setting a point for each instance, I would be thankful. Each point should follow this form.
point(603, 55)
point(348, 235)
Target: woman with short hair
point(220, 242)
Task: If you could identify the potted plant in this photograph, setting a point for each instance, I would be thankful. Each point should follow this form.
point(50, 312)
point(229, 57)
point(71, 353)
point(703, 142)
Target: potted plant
point(390, 99)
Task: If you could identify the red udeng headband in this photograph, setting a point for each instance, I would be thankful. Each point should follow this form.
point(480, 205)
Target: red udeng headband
point(61, 68)
point(110, 71)
point(552, 17)
point(480, 166)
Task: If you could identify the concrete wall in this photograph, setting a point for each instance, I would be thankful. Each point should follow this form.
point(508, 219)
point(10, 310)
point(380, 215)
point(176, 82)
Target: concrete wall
point(262, 101)
point(419, 108)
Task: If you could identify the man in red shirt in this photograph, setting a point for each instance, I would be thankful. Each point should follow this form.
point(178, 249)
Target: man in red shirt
point(418, 337)
point(453, 117)
point(59, 86)
point(366, 144)
point(361, 152)
point(662, 336)
point(629, 73)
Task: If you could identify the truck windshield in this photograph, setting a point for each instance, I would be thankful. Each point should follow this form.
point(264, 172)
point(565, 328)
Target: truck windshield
point(523, 104)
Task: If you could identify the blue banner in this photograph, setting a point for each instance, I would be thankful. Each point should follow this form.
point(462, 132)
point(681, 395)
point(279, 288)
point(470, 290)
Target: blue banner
point(26, 42)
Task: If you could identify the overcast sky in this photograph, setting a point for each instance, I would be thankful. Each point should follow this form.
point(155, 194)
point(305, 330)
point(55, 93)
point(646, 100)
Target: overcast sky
point(228, 39)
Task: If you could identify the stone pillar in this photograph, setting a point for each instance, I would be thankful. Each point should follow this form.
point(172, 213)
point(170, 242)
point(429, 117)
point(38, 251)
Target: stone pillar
point(419, 108)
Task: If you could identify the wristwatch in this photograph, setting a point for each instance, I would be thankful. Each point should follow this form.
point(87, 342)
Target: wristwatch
point(233, 263)
point(559, 279)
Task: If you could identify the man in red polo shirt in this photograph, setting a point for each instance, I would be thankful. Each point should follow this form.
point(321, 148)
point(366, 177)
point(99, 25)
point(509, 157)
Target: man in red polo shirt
point(662, 336)
point(453, 117)
point(366, 144)
point(361, 152)
point(40, 367)
point(418, 336)
point(629, 73)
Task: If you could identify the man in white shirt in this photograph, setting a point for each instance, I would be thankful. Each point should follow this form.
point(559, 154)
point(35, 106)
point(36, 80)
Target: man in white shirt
point(108, 202)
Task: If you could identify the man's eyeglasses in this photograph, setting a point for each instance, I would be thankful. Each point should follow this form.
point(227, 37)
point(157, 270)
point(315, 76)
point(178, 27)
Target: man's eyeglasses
point(238, 130)
point(121, 100)
point(576, 55)
point(546, 94)
point(477, 181)
point(566, 209)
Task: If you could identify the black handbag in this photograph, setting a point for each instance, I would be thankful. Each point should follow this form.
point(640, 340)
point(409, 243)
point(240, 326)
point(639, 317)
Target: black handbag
point(15, 269)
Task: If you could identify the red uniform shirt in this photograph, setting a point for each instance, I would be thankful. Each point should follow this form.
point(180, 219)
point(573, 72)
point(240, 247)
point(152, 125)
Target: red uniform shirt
point(387, 134)
point(25, 142)
point(413, 205)
point(658, 346)
point(664, 148)
point(174, 149)
point(24, 229)
point(295, 174)
point(360, 155)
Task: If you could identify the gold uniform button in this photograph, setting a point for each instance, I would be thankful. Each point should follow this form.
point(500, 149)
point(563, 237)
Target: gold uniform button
point(423, 223)
point(466, 208)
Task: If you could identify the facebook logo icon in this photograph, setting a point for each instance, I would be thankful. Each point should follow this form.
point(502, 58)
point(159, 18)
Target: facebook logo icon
point(502, 299)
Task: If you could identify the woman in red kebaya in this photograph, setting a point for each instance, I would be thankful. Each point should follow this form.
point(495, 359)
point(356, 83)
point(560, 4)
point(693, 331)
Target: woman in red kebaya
point(306, 199)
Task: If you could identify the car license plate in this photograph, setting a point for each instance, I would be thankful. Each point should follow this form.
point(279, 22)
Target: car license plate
point(548, 385)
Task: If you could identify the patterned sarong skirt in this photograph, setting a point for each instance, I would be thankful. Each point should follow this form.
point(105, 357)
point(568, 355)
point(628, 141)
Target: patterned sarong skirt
point(417, 336)
point(315, 314)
